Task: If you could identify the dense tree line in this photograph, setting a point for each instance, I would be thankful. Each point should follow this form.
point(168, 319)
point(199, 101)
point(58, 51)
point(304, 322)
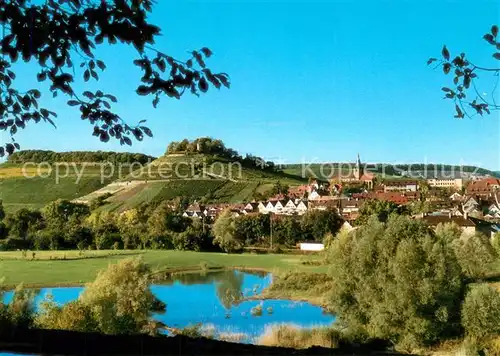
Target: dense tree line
point(233, 233)
point(38, 156)
point(63, 225)
point(215, 147)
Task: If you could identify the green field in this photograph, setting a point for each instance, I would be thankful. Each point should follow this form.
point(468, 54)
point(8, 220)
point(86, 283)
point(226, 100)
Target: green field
point(195, 176)
point(17, 193)
point(76, 269)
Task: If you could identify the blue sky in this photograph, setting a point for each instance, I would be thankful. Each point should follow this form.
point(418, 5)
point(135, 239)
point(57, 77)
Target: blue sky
point(314, 81)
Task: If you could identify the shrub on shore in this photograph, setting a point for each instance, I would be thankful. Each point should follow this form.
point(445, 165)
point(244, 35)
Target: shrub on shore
point(19, 313)
point(119, 301)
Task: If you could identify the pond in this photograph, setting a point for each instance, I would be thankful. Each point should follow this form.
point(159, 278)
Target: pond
point(217, 300)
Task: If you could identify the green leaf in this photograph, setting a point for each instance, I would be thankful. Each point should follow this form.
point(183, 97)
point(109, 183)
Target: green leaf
point(496, 55)
point(73, 103)
point(430, 60)
point(143, 90)
point(203, 85)
point(445, 53)
point(36, 93)
point(489, 38)
point(111, 97)
point(41, 76)
point(88, 94)
point(101, 65)
point(494, 30)
point(147, 131)
point(206, 51)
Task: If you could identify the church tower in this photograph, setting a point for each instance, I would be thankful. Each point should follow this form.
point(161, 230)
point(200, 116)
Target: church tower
point(358, 173)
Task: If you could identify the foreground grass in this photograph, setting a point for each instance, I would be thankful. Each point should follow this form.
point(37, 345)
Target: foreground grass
point(59, 268)
point(296, 337)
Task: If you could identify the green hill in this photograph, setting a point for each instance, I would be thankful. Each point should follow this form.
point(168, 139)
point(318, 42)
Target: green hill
point(201, 177)
point(34, 188)
point(195, 176)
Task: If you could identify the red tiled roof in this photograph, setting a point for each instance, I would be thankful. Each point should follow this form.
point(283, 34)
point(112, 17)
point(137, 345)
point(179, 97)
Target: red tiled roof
point(435, 220)
point(483, 186)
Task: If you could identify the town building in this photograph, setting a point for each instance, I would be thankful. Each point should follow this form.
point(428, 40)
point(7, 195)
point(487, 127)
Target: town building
point(484, 187)
point(358, 175)
point(311, 246)
point(442, 182)
point(466, 224)
point(399, 185)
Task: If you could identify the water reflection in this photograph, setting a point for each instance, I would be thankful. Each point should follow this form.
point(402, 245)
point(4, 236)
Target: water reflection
point(229, 284)
point(217, 301)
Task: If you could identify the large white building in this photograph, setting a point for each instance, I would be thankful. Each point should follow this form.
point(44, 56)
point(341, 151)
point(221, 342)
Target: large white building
point(456, 183)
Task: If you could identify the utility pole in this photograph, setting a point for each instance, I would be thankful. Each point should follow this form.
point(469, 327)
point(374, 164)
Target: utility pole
point(271, 228)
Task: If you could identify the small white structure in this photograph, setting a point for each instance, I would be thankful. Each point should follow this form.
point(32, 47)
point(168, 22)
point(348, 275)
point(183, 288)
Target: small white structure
point(311, 246)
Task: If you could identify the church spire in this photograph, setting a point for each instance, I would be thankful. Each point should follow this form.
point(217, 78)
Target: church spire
point(359, 173)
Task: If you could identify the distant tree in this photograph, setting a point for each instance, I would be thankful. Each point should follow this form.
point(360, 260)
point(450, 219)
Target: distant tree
point(104, 228)
point(419, 207)
point(59, 35)
point(315, 224)
point(65, 220)
point(59, 212)
point(38, 156)
point(469, 99)
point(280, 189)
point(23, 224)
point(287, 230)
point(132, 227)
point(225, 234)
point(382, 209)
point(252, 229)
point(195, 238)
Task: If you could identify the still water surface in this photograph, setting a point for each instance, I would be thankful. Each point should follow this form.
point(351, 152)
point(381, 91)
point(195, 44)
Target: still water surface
point(216, 300)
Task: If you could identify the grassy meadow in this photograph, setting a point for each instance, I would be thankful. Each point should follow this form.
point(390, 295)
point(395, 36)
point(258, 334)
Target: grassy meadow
point(56, 268)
